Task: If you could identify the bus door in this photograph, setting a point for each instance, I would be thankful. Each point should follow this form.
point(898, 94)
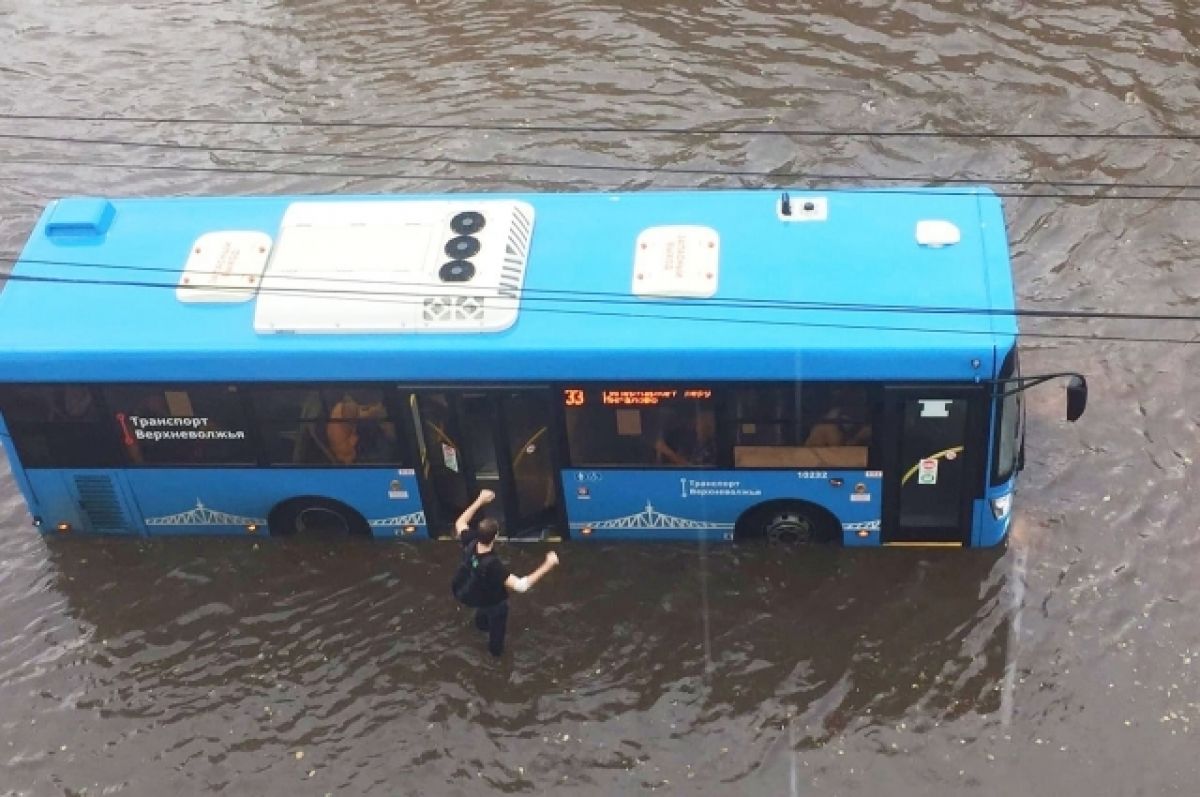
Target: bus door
point(489, 439)
point(931, 464)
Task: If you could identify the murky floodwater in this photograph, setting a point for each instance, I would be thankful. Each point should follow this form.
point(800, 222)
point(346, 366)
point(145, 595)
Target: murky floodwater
point(1069, 665)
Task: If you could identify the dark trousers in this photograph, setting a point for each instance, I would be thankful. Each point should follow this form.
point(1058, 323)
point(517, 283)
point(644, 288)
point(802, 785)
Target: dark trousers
point(494, 620)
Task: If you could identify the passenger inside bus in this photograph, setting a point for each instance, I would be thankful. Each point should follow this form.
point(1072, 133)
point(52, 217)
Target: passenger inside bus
point(354, 432)
point(689, 441)
point(309, 443)
point(845, 423)
point(342, 437)
point(76, 404)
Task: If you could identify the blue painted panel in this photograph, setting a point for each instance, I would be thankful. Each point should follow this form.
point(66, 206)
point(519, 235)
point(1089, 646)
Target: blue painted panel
point(691, 505)
point(577, 320)
point(59, 499)
point(211, 501)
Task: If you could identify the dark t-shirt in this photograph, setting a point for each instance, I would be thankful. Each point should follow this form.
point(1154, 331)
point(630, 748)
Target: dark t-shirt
point(488, 587)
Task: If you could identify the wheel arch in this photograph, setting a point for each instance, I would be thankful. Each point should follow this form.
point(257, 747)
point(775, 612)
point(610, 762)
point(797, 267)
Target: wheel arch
point(743, 528)
point(282, 517)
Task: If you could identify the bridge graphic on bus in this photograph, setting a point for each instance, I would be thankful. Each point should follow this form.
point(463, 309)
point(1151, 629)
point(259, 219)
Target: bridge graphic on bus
point(204, 516)
point(650, 518)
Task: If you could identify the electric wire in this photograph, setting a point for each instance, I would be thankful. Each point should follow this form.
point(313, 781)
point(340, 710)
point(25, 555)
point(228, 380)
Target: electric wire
point(585, 297)
point(624, 168)
point(410, 298)
point(613, 297)
point(589, 129)
point(436, 177)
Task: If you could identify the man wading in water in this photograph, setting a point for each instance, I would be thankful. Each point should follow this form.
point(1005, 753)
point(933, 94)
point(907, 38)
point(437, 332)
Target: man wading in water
point(483, 580)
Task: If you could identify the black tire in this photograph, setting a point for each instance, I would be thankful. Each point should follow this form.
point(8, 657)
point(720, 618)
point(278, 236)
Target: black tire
point(788, 523)
point(315, 517)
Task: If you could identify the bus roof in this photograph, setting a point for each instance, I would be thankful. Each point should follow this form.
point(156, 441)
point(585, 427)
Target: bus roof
point(679, 285)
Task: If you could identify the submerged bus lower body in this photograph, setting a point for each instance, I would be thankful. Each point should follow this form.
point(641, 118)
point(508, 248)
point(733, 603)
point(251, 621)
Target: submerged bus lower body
point(840, 506)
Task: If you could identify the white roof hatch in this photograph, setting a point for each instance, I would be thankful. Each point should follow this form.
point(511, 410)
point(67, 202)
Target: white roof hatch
point(676, 261)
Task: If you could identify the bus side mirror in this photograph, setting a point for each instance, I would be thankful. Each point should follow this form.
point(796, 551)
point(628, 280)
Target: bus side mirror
point(1077, 393)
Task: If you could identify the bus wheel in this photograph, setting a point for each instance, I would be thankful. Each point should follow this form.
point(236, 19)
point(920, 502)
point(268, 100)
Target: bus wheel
point(316, 517)
point(788, 523)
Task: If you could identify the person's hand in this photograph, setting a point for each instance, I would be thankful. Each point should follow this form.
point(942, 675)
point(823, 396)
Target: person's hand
point(487, 496)
point(552, 559)
point(668, 454)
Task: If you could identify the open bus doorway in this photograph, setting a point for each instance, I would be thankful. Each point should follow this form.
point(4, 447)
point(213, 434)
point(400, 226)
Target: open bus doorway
point(500, 440)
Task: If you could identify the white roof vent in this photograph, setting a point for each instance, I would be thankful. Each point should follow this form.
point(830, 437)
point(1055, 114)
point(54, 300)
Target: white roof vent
point(224, 266)
point(937, 233)
point(396, 266)
point(677, 261)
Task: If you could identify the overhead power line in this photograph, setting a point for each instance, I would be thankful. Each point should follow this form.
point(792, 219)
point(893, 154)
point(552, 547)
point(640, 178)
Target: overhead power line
point(612, 297)
point(624, 168)
point(158, 167)
point(513, 127)
point(376, 296)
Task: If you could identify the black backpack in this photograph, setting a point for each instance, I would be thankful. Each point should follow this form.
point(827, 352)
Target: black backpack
point(467, 579)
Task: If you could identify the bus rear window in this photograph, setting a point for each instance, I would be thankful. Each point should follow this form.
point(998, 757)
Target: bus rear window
point(181, 424)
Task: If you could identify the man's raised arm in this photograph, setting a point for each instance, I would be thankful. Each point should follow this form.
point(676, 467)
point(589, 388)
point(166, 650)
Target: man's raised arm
point(525, 583)
point(464, 520)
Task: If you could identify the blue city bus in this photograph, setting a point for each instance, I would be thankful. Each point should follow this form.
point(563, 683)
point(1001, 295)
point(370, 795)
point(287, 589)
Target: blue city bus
point(808, 366)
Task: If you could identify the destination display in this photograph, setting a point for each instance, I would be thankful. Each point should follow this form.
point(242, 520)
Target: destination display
point(578, 397)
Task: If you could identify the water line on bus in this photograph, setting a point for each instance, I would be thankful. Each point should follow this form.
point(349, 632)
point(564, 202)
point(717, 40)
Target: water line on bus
point(1016, 578)
point(793, 773)
point(708, 661)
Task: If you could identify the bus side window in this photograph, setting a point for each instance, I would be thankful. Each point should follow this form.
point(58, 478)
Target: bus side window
point(598, 435)
point(309, 440)
point(341, 431)
point(639, 428)
point(763, 416)
point(288, 421)
point(688, 436)
point(358, 429)
point(181, 424)
point(325, 425)
point(846, 420)
point(59, 426)
point(813, 425)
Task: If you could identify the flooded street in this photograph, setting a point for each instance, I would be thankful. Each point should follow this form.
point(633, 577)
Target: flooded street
point(1067, 665)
